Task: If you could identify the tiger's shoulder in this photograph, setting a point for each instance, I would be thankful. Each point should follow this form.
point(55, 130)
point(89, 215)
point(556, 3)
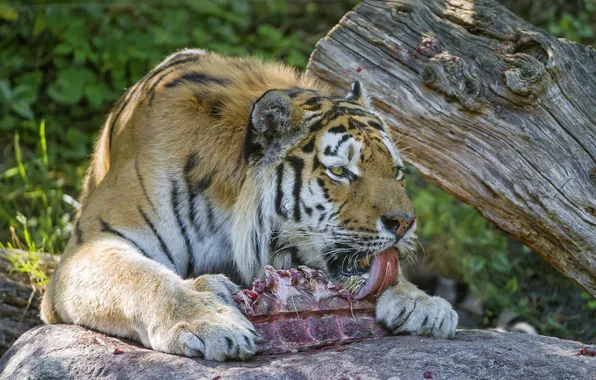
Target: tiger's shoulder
point(199, 92)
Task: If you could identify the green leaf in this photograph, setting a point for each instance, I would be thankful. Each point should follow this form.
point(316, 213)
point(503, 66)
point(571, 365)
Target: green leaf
point(70, 85)
point(7, 12)
point(8, 122)
point(40, 25)
point(23, 109)
point(512, 285)
point(24, 93)
point(63, 49)
point(96, 94)
point(33, 79)
point(5, 92)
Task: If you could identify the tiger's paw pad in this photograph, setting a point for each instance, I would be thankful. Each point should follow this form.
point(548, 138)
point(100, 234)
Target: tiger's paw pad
point(411, 311)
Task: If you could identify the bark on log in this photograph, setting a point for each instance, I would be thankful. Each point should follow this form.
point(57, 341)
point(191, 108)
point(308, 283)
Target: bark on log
point(497, 112)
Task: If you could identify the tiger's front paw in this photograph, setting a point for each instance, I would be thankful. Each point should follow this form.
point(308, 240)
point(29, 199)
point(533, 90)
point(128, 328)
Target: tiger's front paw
point(203, 324)
point(222, 336)
point(404, 309)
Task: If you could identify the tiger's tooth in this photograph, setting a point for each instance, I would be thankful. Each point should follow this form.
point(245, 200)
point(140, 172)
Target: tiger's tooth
point(364, 262)
point(365, 275)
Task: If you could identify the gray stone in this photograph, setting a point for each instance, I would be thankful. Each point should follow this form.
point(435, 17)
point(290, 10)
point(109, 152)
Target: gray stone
point(72, 352)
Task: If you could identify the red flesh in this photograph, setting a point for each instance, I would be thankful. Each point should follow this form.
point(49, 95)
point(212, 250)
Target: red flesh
point(297, 309)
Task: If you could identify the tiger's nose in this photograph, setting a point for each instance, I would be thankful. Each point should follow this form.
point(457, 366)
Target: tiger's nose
point(399, 224)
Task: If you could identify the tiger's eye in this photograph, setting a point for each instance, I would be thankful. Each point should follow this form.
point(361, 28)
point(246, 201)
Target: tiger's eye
point(337, 170)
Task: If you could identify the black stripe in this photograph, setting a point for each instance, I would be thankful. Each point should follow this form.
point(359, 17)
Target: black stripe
point(279, 193)
point(351, 111)
point(298, 165)
point(260, 216)
point(191, 162)
point(203, 184)
point(313, 104)
point(333, 152)
point(255, 245)
point(375, 125)
point(356, 124)
point(315, 163)
point(178, 57)
point(143, 186)
point(105, 227)
point(174, 65)
point(310, 146)
point(113, 123)
point(294, 256)
point(196, 78)
point(307, 209)
point(177, 60)
point(175, 206)
point(162, 243)
point(342, 206)
point(333, 214)
point(144, 81)
point(210, 216)
point(319, 124)
point(215, 109)
point(151, 91)
point(322, 217)
point(323, 187)
point(79, 232)
point(338, 129)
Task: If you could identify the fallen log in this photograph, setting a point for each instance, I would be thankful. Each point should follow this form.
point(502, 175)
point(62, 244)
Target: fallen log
point(496, 112)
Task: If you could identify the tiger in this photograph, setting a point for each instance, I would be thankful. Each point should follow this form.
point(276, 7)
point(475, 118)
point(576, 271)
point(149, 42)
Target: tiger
point(210, 168)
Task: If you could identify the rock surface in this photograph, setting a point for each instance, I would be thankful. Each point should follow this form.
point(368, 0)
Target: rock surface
point(72, 352)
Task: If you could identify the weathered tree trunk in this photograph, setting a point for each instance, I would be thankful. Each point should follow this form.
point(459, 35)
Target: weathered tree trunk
point(497, 112)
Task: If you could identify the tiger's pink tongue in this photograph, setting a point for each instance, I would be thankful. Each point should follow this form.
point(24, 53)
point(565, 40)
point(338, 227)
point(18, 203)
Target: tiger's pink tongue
point(383, 272)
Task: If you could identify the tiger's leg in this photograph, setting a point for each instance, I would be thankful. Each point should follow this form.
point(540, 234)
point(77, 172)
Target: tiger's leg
point(405, 309)
point(109, 286)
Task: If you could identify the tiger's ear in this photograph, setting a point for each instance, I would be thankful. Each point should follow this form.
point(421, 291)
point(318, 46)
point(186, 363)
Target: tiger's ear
point(271, 118)
point(358, 94)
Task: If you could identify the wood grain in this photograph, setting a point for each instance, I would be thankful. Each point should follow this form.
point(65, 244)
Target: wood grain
point(495, 111)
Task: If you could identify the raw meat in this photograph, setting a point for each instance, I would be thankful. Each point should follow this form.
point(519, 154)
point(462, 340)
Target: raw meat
point(297, 309)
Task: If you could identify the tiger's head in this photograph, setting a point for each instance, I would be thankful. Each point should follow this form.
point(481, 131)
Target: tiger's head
point(333, 184)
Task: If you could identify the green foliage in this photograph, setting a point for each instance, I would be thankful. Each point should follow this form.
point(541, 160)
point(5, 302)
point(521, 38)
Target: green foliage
point(36, 188)
point(578, 26)
point(67, 63)
point(574, 20)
